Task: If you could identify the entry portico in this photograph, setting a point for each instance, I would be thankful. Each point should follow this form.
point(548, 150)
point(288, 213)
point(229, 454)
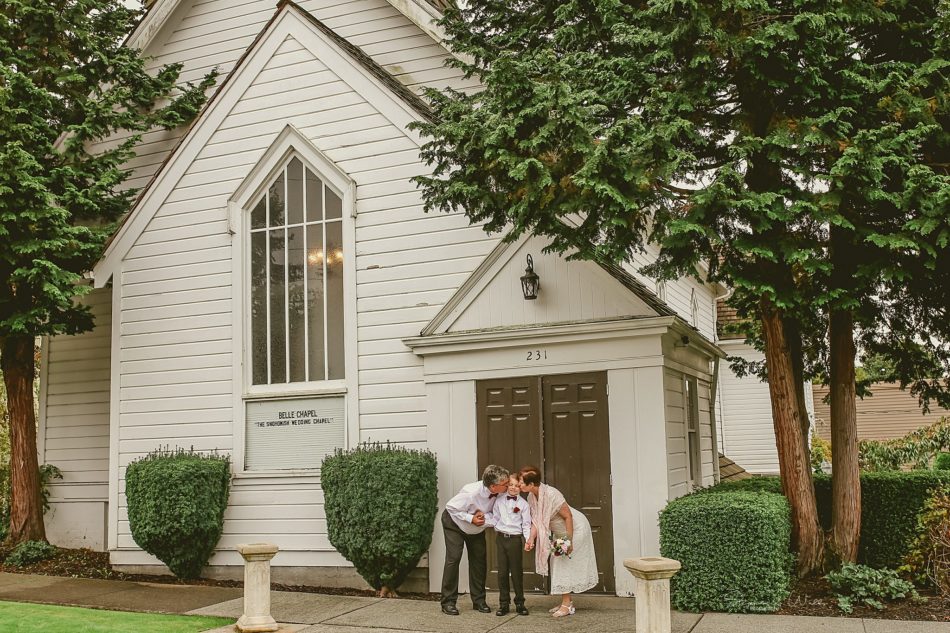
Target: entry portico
point(657, 374)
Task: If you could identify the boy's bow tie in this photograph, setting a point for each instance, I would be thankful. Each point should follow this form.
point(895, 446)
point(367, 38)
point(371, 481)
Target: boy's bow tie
point(493, 495)
point(512, 497)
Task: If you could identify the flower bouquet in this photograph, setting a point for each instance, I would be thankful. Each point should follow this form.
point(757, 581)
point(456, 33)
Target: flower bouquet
point(559, 546)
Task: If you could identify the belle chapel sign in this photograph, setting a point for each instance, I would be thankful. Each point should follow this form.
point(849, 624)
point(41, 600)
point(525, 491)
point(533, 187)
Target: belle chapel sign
point(293, 434)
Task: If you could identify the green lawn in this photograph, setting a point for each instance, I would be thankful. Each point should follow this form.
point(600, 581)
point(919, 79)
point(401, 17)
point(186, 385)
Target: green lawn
point(21, 617)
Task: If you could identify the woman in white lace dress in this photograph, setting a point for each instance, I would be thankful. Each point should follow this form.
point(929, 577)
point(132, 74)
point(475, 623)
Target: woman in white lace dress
point(551, 516)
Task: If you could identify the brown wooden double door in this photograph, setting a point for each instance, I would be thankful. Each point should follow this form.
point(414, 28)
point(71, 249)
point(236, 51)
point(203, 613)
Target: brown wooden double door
point(558, 423)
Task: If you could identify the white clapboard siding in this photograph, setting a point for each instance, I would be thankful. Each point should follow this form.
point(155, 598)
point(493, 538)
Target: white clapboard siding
point(676, 443)
point(748, 437)
point(676, 448)
point(175, 384)
point(76, 417)
point(214, 35)
point(679, 294)
point(706, 434)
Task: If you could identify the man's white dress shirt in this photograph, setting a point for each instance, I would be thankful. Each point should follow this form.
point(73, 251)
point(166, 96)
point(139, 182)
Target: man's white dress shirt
point(511, 516)
point(463, 506)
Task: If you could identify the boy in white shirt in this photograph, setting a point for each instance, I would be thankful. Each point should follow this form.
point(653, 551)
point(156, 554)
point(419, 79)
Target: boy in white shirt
point(511, 519)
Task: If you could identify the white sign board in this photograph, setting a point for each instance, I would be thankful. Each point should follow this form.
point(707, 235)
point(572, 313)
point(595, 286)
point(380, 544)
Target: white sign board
point(293, 434)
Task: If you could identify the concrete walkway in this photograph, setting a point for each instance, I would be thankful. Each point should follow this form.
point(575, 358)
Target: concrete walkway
point(317, 613)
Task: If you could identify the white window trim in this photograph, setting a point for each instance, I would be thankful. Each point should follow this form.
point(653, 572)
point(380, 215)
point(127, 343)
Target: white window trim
point(290, 142)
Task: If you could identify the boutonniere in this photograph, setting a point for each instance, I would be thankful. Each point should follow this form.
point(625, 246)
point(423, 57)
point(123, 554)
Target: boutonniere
point(516, 510)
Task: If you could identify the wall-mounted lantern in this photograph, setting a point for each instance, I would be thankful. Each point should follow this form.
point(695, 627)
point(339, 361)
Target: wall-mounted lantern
point(530, 282)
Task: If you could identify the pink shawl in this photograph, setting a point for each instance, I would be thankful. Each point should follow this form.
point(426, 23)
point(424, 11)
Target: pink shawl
point(543, 508)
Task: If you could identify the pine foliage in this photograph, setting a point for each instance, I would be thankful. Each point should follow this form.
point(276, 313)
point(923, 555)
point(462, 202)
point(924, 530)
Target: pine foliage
point(67, 83)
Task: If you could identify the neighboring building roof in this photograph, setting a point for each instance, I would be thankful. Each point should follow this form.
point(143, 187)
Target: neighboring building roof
point(725, 316)
point(731, 471)
point(889, 413)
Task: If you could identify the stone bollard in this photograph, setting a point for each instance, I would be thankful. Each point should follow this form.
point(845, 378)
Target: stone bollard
point(652, 589)
point(257, 618)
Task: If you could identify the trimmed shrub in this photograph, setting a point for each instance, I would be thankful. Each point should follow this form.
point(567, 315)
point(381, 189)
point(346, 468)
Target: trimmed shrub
point(380, 503)
point(176, 506)
point(734, 549)
point(928, 562)
point(942, 461)
point(30, 552)
point(752, 484)
point(890, 503)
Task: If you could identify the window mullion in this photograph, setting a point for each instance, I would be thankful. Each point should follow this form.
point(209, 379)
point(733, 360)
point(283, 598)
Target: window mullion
point(267, 278)
point(306, 275)
point(326, 257)
point(286, 277)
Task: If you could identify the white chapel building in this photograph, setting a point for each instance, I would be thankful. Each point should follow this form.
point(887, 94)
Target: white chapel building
point(278, 265)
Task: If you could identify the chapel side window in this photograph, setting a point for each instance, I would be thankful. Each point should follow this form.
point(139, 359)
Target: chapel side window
point(296, 280)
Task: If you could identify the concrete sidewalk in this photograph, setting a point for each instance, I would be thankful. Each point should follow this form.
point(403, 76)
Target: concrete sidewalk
point(317, 613)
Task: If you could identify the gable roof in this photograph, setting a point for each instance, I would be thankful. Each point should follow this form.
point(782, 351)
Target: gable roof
point(493, 263)
point(367, 77)
point(422, 13)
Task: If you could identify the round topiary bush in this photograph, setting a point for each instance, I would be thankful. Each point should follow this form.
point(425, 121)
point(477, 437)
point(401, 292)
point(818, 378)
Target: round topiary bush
point(176, 505)
point(942, 461)
point(380, 503)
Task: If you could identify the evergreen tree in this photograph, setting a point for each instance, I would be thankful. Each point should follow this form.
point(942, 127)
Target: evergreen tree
point(794, 147)
point(66, 82)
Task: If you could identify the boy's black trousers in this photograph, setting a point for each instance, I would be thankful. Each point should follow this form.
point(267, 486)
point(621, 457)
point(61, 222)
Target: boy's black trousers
point(510, 549)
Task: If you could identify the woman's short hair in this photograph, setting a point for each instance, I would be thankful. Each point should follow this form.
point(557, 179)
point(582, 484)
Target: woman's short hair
point(495, 475)
point(531, 475)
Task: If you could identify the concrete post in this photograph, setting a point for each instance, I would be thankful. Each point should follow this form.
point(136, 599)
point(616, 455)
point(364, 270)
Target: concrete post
point(651, 587)
point(257, 618)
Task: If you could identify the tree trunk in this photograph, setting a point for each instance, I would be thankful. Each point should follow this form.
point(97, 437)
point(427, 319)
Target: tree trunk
point(793, 459)
point(26, 508)
point(845, 472)
point(793, 333)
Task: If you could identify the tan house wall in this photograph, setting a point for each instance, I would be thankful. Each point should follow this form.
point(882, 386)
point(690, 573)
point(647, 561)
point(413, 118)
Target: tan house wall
point(888, 413)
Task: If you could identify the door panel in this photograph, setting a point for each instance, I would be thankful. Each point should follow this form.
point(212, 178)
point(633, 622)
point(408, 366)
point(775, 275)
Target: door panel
point(509, 434)
point(560, 424)
point(577, 456)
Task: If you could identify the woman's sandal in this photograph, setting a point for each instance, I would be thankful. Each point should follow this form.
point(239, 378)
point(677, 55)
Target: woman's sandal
point(555, 608)
point(563, 611)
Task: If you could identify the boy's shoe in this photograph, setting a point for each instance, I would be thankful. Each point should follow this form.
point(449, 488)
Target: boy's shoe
point(482, 608)
point(521, 609)
point(503, 610)
point(450, 609)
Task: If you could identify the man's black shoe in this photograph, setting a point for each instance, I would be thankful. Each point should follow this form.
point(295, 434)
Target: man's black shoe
point(503, 610)
point(521, 609)
point(450, 609)
point(482, 608)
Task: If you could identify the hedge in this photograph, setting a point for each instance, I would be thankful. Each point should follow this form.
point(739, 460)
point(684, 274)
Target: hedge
point(380, 503)
point(942, 461)
point(734, 549)
point(890, 503)
point(176, 503)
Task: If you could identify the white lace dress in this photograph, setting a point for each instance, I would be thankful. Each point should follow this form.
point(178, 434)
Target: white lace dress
point(578, 573)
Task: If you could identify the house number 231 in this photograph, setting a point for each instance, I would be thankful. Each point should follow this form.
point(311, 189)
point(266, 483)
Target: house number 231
point(537, 354)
